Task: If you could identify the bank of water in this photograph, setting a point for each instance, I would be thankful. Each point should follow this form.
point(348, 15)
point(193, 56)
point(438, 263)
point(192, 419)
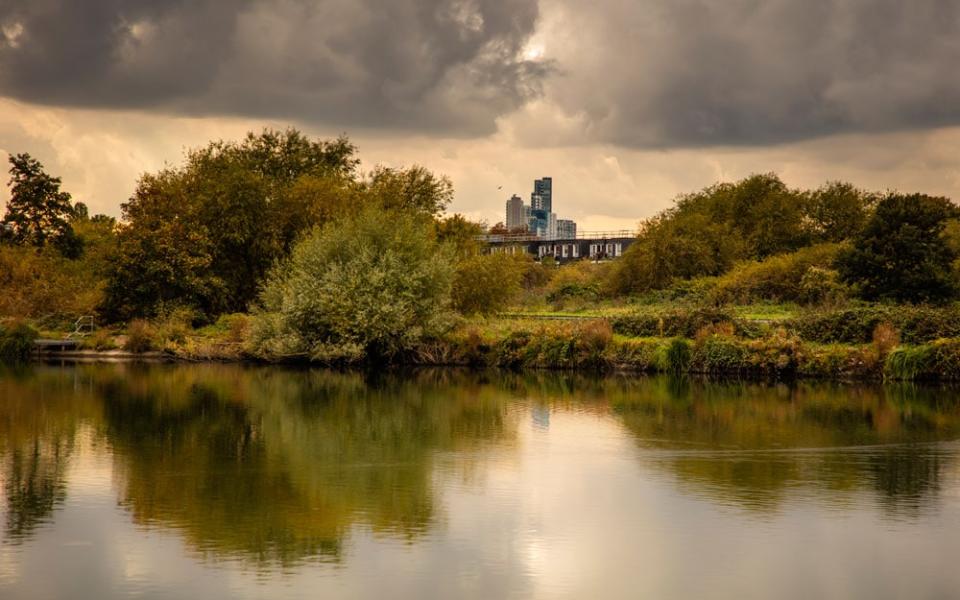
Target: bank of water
point(232, 481)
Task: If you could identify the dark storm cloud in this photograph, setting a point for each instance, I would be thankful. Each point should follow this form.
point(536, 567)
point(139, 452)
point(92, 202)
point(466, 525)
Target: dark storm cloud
point(639, 73)
point(663, 73)
point(448, 65)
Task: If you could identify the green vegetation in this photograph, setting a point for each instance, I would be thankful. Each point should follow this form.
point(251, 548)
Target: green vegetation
point(16, 341)
point(487, 283)
point(901, 254)
point(804, 276)
point(277, 247)
point(53, 255)
point(205, 234)
point(369, 287)
point(708, 232)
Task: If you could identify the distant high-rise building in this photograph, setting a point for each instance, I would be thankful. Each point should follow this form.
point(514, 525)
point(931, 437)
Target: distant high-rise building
point(542, 196)
point(515, 214)
point(538, 217)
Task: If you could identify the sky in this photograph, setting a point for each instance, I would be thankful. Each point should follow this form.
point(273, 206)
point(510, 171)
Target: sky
point(625, 103)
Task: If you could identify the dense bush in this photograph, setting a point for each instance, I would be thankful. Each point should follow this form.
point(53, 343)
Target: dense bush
point(555, 346)
point(45, 285)
point(856, 325)
point(781, 278)
point(366, 287)
point(576, 285)
point(139, 336)
point(16, 341)
point(100, 340)
point(486, 283)
point(707, 232)
point(683, 322)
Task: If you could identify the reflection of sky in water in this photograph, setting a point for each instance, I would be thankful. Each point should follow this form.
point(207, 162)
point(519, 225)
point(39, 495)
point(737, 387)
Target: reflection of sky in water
point(580, 504)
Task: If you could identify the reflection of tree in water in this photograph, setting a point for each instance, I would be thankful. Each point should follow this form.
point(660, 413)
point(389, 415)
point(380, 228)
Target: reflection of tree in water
point(278, 466)
point(752, 445)
point(37, 433)
point(33, 485)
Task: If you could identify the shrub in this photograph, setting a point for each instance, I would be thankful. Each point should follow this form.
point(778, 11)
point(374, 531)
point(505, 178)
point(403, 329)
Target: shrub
point(670, 323)
point(576, 285)
point(722, 329)
point(172, 327)
point(16, 341)
point(231, 328)
point(486, 283)
point(100, 340)
point(139, 336)
point(639, 354)
point(699, 290)
point(821, 286)
point(718, 354)
point(592, 340)
point(366, 287)
point(837, 361)
point(777, 354)
point(779, 278)
point(856, 325)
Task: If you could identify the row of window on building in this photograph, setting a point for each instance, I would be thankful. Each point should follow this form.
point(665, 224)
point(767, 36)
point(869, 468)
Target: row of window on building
point(597, 251)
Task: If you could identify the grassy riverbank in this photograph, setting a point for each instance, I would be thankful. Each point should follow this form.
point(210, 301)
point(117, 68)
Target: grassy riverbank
point(855, 342)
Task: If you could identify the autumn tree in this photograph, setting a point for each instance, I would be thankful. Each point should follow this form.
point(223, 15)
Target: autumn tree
point(38, 212)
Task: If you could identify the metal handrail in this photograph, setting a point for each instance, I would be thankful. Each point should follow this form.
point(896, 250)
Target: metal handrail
point(532, 237)
point(82, 327)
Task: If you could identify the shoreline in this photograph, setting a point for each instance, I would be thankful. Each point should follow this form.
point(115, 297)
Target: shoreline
point(743, 359)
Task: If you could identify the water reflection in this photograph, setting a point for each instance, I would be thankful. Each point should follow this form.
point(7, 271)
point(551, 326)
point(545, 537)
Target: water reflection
point(751, 444)
point(276, 466)
point(38, 423)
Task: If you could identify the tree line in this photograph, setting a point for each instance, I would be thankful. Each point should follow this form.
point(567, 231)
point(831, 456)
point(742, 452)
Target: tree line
point(340, 264)
point(895, 247)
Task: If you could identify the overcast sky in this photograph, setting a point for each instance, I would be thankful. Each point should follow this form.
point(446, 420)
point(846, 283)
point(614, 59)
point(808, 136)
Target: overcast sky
point(625, 103)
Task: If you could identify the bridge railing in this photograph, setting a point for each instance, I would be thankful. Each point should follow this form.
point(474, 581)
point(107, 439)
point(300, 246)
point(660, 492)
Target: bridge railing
point(531, 237)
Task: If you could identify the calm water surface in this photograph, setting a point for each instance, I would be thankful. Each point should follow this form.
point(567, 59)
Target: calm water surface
point(236, 482)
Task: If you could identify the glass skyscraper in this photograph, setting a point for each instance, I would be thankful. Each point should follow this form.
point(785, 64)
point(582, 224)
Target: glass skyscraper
point(542, 196)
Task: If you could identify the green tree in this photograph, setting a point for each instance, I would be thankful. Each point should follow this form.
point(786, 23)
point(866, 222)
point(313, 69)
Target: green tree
point(486, 283)
point(901, 254)
point(706, 232)
point(673, 245)
point(412, 190)
point(364, 287)
point(836, 211)
point(38, 212)
point(208, 232)
point(163, 257)
point(760, 209)
point(461, 234)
